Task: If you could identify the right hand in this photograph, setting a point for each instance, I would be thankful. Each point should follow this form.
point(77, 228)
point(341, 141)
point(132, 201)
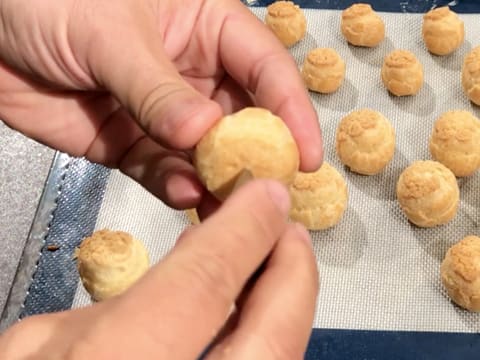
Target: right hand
point(245, 253)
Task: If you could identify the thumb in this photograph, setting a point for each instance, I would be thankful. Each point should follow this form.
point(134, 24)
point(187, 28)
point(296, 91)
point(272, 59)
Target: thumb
point(192, 290)
point(147, 83)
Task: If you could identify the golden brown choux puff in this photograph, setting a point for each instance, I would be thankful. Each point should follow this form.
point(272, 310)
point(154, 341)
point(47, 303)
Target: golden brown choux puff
point(362, 26)
point(252, 140)
point(455, 142)
point(402, 73)
point(319, 199)
point(109, 262)
point(365, 141)
point(323, 70)
point(442, 30)
point(428, 193)
point(471, 75)
point(287, 22)
point(460, 273)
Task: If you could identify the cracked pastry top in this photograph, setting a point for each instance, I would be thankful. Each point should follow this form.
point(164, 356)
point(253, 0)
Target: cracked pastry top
point(402, 73)
point(471, 75)
point(109, 262)
point(460, 273)
point(287, 22)
point(442, 30)
point(455, 142)
point(252, 140)
point(323, 70)
point(365, 141)
point(428, 193)
point(319, 199)
point(362, 26)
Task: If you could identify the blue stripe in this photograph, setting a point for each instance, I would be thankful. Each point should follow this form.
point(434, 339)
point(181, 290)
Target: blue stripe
point(55, 280)
point(410, 6)
point(392, 345)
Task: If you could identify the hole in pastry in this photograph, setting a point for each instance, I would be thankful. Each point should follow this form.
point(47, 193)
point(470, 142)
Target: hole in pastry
point(421, 104)
point(437, 240)
point(342, 245)
point(453, 61)
point(382, 185)
point(372, 56)
point(344, 99)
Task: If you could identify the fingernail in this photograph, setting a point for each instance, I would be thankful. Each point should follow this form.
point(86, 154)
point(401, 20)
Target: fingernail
point(303, 233)
point(315, 160)
point(279, 195)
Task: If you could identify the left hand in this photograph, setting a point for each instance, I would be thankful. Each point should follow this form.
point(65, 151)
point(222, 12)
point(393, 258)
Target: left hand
point(131, 84)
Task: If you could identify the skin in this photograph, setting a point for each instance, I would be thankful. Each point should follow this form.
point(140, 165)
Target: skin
point(135, 85)
point(182, 304)
point(138, 84)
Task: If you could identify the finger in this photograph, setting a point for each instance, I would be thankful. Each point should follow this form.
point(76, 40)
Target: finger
point(148, 84)
point(193, 289)
point(259, 63)
point(28, 338)
point(231, 96)
point(208, 205)
point(58, 115)
point(167, 174)
point(275, 320)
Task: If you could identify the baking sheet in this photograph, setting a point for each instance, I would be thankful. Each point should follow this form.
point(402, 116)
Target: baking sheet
point(378, 272)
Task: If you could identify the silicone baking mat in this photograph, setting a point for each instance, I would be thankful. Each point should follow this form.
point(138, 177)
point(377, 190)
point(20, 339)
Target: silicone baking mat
point(380, 296)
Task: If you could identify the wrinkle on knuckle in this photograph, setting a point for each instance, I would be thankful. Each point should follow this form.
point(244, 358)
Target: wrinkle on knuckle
point(263, 230)
point(154, 103)
point(261, 66)
point(211, 274)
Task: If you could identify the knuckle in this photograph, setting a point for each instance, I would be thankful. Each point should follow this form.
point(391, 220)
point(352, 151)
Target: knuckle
point(262, 228)
point(154, 102)
point(262, 65)
point(212, 276)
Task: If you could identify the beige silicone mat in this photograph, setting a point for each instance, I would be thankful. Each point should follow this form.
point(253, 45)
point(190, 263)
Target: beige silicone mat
point(377, 271)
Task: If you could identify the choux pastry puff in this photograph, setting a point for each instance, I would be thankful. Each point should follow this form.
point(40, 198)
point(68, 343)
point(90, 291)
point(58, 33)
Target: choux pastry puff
point(442, 30)
point(471, 75)
point(402, 73)
point(287, 22)
point(319, 199)
point(252, 140)
point(109, 262)
point(192, 216)
point(365, 141)
point(362, 26)
point(428, 193)
point(455, 142)
point(323, 70)
point(460, 273)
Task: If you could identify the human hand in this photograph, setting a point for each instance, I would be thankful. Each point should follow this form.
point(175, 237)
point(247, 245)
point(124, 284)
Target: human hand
point(182, 303)
point(132, 84)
